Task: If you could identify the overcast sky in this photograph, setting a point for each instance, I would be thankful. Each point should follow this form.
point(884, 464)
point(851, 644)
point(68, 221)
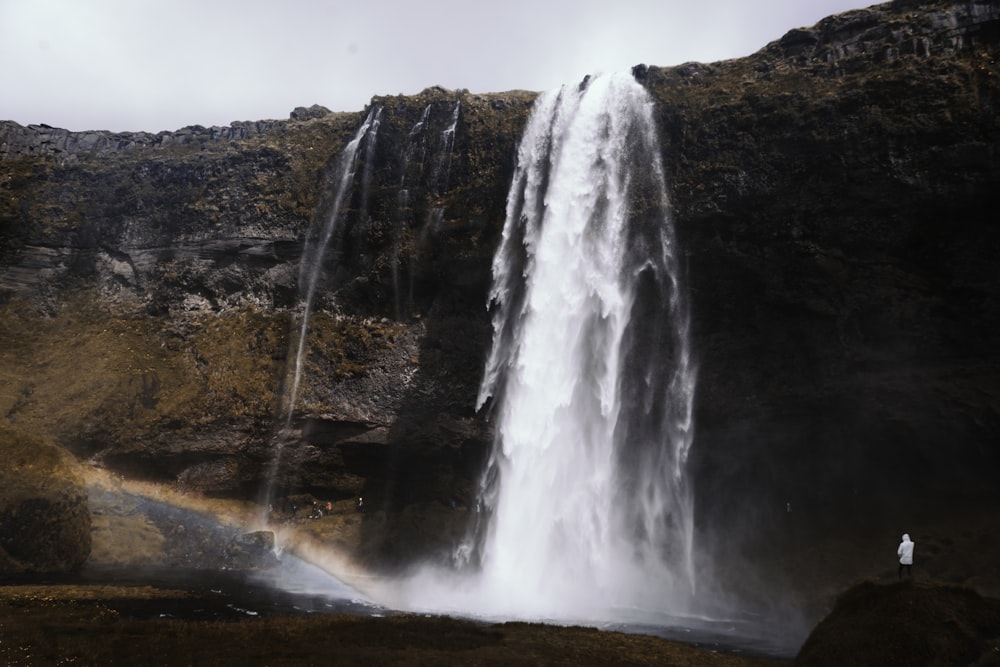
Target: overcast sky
point(164, 64)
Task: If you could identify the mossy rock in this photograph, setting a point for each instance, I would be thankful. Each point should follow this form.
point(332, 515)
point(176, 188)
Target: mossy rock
point(44, 517)
point(906, 623)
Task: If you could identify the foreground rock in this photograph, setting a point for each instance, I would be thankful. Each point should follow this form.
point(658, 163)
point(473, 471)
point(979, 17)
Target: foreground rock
point(907, 623)
point(44, 520)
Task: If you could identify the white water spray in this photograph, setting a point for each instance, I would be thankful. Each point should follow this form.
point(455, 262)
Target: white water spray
point(586, 505)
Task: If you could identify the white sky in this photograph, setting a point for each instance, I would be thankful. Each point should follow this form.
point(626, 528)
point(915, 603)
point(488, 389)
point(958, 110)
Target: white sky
point(164, 64)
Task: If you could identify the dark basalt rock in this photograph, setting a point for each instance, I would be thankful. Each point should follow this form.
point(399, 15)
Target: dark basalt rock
point(834, 202)
point(315, 111)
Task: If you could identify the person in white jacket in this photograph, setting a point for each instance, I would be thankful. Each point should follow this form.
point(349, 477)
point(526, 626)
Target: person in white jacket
point(905, 553)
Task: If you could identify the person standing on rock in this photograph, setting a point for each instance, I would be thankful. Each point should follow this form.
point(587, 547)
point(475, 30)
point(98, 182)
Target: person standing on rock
point(905, 553)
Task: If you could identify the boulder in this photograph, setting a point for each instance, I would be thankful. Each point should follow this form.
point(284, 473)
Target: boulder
point(304, 113)
point(251, 551)
point(906, 623)
point(44, 518)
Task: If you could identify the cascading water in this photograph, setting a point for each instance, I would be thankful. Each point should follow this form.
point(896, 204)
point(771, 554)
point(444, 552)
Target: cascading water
point(586, 508)
point(312, 257)
point(311, 269)
point(416, 148)
point(447, 150)
point(590, 367)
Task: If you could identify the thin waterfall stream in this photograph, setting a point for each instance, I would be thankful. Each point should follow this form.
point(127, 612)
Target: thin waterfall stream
point(310, 272)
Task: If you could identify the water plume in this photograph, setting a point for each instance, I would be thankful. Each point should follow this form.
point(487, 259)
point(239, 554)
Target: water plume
point(585, 509)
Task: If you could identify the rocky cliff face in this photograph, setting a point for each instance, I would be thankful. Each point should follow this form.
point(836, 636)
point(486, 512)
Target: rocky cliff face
point(835, 194)
point(834, 197)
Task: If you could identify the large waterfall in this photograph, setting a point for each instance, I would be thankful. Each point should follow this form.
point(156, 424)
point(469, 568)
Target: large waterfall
point(586, 510)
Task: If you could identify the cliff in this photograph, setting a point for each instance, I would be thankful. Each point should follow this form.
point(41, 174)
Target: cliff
point(834, 197)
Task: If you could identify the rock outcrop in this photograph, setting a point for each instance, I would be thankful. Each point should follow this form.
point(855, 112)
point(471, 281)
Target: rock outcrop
point(834, 197)
point(44, 519)
point(906, 623)
point(42, 140)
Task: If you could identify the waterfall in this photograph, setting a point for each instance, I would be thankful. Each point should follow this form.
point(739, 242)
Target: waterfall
point(311, 270)
point(589, 383)
point(416, 146)
point(311, 267)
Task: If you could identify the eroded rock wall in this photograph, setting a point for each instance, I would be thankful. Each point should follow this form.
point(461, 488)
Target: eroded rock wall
point(836, 197)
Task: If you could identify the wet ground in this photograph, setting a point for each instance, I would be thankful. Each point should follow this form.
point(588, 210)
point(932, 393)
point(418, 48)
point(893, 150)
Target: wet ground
point(294, 588)
point(213, 572)
point(171, 584)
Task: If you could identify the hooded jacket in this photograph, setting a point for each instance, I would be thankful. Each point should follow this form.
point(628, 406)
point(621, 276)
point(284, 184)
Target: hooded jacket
point(905, 551)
